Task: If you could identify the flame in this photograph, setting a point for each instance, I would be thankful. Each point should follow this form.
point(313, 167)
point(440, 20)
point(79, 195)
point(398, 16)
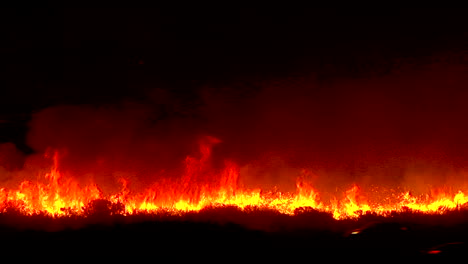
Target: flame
point(63, 196)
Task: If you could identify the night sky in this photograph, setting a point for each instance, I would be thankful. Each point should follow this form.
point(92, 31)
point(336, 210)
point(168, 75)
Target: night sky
point(354, 90)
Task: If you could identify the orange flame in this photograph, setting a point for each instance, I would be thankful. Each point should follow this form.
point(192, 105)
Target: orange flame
point(62, 196)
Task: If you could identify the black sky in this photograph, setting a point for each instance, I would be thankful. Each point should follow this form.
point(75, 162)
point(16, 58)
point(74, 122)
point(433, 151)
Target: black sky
point(91, 55)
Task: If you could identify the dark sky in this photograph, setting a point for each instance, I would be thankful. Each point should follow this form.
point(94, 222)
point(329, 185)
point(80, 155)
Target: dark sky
point(324, 84)
point(55, 56)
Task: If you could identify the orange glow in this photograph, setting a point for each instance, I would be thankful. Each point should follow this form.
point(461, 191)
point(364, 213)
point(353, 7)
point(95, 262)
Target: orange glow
point(61, 196)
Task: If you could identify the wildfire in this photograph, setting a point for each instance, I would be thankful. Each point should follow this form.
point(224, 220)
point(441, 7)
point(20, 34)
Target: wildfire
point(61, 196)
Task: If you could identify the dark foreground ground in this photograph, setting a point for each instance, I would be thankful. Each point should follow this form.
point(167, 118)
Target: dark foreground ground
point(227, 234)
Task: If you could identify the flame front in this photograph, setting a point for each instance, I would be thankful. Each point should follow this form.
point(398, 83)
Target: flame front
point(61, 196)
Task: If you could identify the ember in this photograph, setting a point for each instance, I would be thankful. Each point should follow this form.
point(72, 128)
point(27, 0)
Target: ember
point(61, 196)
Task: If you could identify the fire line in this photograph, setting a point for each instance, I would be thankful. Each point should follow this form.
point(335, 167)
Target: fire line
point(60, 196)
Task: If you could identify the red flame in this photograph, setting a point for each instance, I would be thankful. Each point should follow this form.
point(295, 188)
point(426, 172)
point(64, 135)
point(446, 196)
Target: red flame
point(199, 187)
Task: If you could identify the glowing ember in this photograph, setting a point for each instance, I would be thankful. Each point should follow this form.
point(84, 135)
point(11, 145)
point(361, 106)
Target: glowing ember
point(61, 196)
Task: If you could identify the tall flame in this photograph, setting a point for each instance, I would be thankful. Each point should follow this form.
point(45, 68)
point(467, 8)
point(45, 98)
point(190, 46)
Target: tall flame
point(62, 196)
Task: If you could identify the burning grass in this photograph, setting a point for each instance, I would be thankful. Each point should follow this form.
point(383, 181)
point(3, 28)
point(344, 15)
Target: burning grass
point(229, 230)
point(104, 212)
point(204, 195)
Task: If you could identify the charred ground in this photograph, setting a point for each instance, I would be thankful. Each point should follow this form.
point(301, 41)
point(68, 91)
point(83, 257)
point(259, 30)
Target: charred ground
point(236, 234)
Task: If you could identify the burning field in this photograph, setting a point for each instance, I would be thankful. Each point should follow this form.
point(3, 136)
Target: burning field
point(55, 194)
point(116, 192)
point(286, 155)
point(316, 132)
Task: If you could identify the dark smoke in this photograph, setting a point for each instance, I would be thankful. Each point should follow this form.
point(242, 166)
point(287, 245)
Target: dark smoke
point(406, 127)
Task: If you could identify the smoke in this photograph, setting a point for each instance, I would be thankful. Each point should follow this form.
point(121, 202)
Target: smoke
point(113, 141)
point(402, 128)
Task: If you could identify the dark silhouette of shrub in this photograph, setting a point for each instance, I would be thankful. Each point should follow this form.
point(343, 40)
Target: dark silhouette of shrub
point(103, 208)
